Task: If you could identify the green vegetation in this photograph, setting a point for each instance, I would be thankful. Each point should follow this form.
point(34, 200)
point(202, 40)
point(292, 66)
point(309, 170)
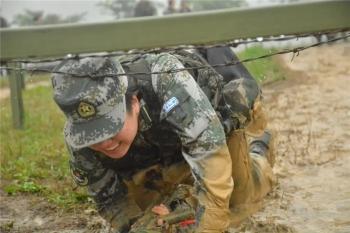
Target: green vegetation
point(4, 81)
point(35, 160)
point(29, 79)
point(264, 70)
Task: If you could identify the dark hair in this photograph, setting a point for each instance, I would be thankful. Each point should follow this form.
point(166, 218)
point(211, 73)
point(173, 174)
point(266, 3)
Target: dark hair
point(128, 101)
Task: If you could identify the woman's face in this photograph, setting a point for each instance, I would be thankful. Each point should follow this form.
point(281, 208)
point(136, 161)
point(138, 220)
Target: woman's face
point(117, 146)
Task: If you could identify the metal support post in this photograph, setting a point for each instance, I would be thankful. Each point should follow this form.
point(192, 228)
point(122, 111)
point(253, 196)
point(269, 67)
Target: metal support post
point(15, 79)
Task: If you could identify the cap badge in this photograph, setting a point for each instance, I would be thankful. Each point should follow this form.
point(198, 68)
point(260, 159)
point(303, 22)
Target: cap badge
point(86, 110)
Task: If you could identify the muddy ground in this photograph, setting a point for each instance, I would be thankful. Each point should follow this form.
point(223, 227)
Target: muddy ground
point(310, 114)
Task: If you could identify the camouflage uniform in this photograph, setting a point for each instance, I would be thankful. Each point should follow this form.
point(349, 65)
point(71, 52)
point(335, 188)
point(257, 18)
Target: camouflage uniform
point(185, 115)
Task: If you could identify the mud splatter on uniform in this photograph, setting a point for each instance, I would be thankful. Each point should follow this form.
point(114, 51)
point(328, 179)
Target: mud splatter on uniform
point(185, 118)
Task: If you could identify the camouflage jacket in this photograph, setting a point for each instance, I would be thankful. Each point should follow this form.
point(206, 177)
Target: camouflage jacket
point(187, 114)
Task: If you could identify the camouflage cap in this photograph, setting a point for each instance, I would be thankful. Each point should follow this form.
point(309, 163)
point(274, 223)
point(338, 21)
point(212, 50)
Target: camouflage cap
point(94, 107)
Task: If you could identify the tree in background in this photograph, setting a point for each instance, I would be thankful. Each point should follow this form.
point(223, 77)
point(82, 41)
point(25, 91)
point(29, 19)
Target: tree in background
point(285, 1)
point(119, 8)
point(203, 5)
point(32, 18)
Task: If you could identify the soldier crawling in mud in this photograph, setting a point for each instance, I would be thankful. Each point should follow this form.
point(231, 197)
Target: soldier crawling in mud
point(134, 138)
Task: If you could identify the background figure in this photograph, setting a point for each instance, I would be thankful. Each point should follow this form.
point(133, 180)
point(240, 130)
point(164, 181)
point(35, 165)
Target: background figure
point(185, 6)
point(171, 8)
point(144, 8)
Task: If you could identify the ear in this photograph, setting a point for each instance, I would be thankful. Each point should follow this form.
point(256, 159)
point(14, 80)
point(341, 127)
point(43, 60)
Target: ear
point(135, 103)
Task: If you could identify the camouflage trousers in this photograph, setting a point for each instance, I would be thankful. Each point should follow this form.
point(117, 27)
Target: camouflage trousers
point(251, 172)
point(252, 175)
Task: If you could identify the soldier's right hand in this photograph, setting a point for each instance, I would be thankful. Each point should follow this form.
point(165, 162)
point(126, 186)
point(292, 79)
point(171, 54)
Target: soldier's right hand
point(120, 216)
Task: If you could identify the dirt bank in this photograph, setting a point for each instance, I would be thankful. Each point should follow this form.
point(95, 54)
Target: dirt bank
point(310, 114)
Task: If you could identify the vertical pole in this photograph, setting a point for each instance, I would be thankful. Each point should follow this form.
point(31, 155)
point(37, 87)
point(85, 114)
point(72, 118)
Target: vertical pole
point(23, 81)
point(16, 97)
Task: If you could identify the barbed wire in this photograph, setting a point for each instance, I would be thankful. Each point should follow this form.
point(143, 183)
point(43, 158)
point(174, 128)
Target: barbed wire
point(233, 43)
point(295, 51)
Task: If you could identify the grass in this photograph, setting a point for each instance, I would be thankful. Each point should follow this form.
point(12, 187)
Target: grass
point(29, 79)
point(264, 70)
point(4, 82)
point(35, 160)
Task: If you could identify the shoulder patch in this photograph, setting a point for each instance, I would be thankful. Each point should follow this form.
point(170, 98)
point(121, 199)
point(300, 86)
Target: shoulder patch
point(170, 104)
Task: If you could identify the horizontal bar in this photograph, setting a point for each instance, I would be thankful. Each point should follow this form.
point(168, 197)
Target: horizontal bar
point(191, 28)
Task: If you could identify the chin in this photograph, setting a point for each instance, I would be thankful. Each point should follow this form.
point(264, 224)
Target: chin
point(116, 154)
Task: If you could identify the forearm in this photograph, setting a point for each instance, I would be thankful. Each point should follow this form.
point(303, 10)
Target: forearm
point(213, 192)
point(105, 187)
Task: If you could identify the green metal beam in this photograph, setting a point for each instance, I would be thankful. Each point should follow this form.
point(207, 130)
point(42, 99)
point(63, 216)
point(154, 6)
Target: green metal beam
point(192, 28)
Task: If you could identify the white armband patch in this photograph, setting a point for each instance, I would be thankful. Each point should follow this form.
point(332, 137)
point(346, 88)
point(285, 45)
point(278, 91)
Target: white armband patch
point(170, 104)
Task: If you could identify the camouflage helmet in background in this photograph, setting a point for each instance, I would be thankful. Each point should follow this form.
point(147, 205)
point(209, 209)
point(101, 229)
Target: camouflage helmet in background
point(94, 106)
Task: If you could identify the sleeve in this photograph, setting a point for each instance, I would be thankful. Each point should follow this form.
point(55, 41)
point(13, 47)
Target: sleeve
point(104, 186)
point(192, 117)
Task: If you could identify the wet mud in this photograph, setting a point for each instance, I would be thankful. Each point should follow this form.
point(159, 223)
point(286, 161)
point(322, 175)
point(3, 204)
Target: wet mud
point(29, 214)
point(310, 115)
